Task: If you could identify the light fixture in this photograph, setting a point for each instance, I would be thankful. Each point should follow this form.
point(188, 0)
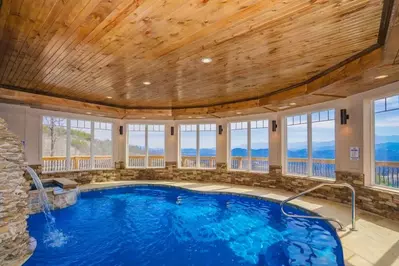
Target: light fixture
point(109, 97)
point(206, 60)
point(120, 130)
point(283, 107)
point(143, 117)
point(172, 131)
point(238, 113)
point(220, 129)
point(147, 83)
point(292, 104)
point(344, 117)
point(274, 125)
point(199, 117)
point(381, 77)
point(89, 113)
point(190, 117)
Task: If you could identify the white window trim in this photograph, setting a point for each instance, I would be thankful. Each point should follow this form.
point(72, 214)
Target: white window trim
point(284, 135)
point(146, 161)
point(198, 145)
point(369, 142)
point(68, 142)
point(249, 143)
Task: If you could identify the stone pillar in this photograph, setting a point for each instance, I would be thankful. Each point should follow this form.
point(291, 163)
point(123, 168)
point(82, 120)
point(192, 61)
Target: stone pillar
point(14, 238)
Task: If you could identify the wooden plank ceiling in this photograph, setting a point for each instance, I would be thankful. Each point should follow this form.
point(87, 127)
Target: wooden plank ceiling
point(101, 51)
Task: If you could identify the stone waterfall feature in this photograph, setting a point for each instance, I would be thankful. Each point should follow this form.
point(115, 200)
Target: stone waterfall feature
point(14, 237)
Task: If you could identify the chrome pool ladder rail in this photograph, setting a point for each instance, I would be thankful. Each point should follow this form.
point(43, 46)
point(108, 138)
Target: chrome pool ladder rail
point(324, 218)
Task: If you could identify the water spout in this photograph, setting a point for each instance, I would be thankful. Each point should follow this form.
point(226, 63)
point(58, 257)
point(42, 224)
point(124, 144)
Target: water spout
point(53, 237)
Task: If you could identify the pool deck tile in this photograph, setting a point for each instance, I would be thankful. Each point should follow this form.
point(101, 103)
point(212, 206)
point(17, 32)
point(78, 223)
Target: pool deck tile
point(375, 242)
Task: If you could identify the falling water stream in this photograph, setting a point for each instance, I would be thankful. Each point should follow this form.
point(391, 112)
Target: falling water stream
point(53, 237)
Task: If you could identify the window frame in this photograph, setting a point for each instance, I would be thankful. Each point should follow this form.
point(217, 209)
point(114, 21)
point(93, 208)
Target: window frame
point(198, 145)
point(309, 122)
point(370, 159)
point(146, 160)
point(68, 142)
point(249, 144)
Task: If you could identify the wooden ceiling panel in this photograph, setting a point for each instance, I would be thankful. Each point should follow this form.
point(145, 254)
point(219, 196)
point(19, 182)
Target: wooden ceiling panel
point(101, 51)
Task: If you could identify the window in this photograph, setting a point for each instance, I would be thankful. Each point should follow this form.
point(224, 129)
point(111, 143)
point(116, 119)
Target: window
point(146, 145)
point(54, 144)
point(386, 142)
point(313, 132)
point(253, 136)
point(80, 144)
point(198, 146)
point(156, 145)
point(102, 145)
point(72, 144)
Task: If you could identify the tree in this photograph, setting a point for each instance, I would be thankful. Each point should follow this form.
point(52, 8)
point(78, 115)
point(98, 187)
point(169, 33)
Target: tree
point(53, 125)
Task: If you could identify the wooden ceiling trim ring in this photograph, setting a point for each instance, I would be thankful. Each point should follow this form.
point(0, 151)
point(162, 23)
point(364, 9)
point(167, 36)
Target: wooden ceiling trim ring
point(329, 95)
point(385, 20)
point(363, 60)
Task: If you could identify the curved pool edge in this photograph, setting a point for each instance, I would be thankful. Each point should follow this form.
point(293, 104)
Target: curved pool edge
point(269, 197)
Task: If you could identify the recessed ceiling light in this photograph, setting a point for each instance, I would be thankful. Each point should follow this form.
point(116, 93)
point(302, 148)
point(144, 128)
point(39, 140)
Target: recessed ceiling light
point(109, 97)
point(199, 117)
point(147, 83)
point(89, 113)
point(190, 117)
point(284, 107)
point(238, 113)
point(381, 77)
point(206, 60)
point(292, 104)
point(143, 117)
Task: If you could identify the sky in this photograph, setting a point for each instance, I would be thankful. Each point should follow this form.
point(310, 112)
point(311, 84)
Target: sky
point(387, 123)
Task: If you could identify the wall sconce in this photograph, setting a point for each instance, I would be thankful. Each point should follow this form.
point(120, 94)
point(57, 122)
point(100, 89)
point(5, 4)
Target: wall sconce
point(121, 130)
point(274, 125)
point(344, 117)
point(220, 129)
point(172, 131)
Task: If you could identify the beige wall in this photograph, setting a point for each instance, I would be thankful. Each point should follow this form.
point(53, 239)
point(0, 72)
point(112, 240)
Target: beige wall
point(26, 123)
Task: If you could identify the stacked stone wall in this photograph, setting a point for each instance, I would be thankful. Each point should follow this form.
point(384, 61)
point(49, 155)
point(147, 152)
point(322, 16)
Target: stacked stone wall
point(379, 201)
point(14, 238)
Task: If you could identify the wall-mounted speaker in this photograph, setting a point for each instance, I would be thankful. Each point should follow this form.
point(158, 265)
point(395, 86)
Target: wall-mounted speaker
point(344, 117)
point(121, 130)
point(274, 125)
point(172, 131)
point(220, 129)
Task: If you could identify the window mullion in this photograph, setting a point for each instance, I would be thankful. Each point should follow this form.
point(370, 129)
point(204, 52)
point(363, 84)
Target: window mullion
point(249, 146)
point(371, 159)
point(146, 147)
point(310, 155)
point(198, 161)
point(68, 146)
point(92, 145)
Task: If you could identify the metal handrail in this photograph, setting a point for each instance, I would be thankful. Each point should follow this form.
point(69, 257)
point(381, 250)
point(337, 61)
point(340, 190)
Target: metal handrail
point(324, 218)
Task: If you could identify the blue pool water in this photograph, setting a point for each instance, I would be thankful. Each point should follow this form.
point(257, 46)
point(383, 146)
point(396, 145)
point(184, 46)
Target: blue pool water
point(153, 225)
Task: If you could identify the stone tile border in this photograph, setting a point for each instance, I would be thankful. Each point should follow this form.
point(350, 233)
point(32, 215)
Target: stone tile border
point(375, 243)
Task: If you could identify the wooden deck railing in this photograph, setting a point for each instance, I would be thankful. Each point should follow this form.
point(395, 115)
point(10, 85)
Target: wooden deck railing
point(153, 161)
point(387, 173)
point(205, 161)
point(320, 167)
point(80, 162)
point(259, 164)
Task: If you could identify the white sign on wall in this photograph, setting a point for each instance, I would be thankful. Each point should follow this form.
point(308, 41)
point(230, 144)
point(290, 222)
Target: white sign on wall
point(354, 153)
